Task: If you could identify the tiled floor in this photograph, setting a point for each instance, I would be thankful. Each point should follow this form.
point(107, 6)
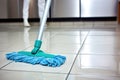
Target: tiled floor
point(92, 50)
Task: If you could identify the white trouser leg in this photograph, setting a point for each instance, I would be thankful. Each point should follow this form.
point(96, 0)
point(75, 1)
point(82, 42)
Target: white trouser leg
point(26, 12)
point(41, 6)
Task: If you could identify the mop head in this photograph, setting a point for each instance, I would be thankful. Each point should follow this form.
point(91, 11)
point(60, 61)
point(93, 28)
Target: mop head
point(40, 57)
point(55, 61)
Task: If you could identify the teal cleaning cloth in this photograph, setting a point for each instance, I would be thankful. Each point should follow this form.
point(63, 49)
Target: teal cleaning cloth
point(55, 61)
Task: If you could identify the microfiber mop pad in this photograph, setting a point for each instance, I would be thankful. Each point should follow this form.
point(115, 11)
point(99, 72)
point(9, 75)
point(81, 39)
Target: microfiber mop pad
point(38, 57)
point(55, 61)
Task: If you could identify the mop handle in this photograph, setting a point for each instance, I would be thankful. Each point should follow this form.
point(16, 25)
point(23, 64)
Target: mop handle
point(44, 19)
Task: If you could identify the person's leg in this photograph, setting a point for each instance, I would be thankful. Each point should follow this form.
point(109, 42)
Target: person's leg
point(41, 6)
point(26, 12)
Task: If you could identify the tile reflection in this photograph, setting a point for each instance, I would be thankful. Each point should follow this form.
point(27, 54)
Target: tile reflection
point(97, 65)
point(26, 37)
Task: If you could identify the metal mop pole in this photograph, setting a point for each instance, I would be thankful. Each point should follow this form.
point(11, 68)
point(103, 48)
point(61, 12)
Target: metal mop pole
point(38, 42)
point(44, 19)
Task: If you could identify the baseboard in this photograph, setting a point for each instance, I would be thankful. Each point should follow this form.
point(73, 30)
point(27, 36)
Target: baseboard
point(62, 19)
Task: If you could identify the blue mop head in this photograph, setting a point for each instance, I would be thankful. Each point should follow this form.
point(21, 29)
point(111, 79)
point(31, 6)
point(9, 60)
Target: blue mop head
point(37, 56)
point(55, 61)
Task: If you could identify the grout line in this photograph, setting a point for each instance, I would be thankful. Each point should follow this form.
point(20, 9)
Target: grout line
point(6, 65)
point(77, 55)
point(100, 54)
point(105, 35)
point(99, 75)
point(32, 71)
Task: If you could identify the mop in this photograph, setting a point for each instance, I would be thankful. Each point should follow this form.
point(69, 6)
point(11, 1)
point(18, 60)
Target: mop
point(37, 56)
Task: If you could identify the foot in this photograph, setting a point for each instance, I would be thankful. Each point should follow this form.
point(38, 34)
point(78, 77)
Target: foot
point(26, 23)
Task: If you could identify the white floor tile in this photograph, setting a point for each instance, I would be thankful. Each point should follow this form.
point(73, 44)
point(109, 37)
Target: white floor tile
point(97, 65)
point(92, 77)
point(16, 75)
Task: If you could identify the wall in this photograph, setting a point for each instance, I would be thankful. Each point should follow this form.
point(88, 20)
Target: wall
point(3, 9)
